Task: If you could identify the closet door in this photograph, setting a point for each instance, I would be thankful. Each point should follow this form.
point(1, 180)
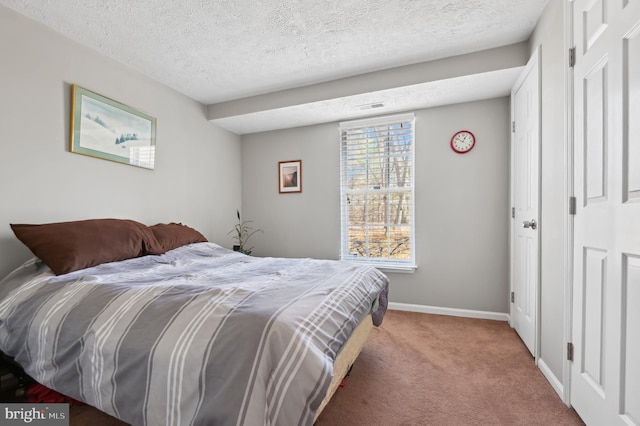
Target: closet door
point(605, 376)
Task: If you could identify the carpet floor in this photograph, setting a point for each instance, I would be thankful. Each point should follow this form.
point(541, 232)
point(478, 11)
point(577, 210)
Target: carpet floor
point(420, 369)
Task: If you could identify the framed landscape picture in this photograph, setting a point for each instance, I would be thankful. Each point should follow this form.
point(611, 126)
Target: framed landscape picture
point(104, 128)
point(290, 176)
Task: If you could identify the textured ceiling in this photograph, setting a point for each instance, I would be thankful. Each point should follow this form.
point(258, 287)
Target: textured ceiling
point(219, 50)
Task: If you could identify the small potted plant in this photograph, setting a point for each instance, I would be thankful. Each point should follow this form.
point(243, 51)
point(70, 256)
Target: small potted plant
point(242, 232)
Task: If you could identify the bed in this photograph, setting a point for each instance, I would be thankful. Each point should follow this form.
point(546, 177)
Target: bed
point(186, 332)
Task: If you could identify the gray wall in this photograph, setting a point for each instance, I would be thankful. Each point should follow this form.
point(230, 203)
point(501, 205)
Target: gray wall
point(462, 201)
point(549, 35)
point(462, 204)
point(197, 175)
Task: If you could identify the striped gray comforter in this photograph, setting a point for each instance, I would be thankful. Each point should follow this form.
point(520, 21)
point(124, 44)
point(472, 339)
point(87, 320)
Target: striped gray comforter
point(198, 336)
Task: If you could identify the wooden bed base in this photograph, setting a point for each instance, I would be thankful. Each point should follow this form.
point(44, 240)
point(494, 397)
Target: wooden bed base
point(346, 358)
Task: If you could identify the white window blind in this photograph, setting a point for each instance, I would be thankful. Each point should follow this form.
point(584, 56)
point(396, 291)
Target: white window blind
point(377, 191)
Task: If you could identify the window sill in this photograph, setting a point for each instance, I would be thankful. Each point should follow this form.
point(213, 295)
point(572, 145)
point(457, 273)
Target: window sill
point(397, 269)
point(386, 268)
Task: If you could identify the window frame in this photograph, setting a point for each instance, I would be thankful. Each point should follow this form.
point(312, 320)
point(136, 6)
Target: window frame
point(390, 264)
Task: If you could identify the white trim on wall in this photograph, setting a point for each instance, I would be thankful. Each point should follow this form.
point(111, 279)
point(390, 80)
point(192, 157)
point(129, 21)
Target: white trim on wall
point(553, 380)
point(437, 310)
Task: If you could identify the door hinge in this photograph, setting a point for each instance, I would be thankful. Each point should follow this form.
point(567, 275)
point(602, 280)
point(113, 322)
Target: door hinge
point(569, 351)
point(513, 297)
point(572, 57)
point(572, 205)
point(513, 212)
point(513, 127)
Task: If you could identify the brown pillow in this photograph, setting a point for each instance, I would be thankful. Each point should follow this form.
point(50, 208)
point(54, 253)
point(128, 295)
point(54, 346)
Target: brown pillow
point(68, 246)
point(174, 235)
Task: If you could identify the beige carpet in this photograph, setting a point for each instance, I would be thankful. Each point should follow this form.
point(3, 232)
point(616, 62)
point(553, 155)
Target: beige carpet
point(420, 369)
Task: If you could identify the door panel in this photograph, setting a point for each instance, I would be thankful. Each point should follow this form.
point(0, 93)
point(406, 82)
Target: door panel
point(594, 22)
point(631, 78)
point(595, 265)
point(631, 319)
point(595, 110)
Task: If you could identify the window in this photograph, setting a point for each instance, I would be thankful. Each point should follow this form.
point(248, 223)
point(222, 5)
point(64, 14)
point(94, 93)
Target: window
point(377, 191)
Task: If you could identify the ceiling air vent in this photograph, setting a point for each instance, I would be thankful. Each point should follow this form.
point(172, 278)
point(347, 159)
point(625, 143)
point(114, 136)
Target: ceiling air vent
point(370, 106)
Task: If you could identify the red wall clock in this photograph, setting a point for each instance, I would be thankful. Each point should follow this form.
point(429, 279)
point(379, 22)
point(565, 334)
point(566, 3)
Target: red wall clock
point(463, 141)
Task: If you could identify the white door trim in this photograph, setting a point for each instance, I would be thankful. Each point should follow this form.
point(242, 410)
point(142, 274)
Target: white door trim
point(569, 192)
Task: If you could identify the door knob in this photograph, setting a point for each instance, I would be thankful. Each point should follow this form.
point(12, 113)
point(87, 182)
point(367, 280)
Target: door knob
point(530, 224)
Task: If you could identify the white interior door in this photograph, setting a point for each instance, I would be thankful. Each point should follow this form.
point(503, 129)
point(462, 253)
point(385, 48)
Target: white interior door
point(605, 373)
point(525, 257)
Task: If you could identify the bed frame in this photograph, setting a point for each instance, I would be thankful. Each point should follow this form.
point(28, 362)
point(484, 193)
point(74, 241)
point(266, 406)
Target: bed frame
point(343, 363)
point(346, 358)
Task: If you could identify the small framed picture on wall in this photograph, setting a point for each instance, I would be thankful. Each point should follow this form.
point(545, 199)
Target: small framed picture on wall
point(290, 176)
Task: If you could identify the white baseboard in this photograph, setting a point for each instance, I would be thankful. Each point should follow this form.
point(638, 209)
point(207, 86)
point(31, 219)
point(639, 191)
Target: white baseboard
point(555, 383)
point(498, 316)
